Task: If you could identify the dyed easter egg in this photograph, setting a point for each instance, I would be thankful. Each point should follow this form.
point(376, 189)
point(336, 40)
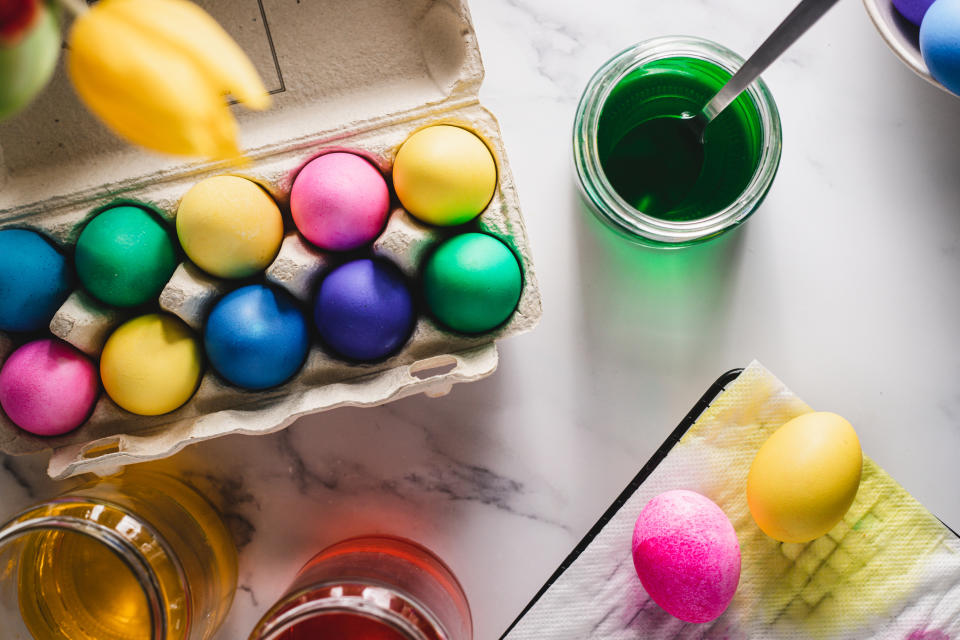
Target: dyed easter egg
point(34, 280)
point(364, 310)
point(939, 43)
point(229, 226)
point(48, 388)
point(913, 10)
point(687, 555)
point(472, 283)
point(805, 477)
point(340, 202)
point(256, 337)
point(151, 364)
point(125, 256)
point(444, 175)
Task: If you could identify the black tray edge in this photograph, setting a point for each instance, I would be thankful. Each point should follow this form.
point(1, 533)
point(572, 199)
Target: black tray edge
point(709, 396)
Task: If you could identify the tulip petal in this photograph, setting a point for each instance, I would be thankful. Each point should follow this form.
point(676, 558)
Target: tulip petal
point(187, 27)
point(151, 90)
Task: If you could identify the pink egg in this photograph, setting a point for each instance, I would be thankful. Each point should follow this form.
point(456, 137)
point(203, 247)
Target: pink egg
point(687, 555)
point(48, 388)
point(340, 202)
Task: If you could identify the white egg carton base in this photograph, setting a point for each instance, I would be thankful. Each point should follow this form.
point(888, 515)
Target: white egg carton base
point(113, 437)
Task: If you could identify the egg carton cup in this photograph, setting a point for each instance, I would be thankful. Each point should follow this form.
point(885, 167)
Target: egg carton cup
point(432, 360)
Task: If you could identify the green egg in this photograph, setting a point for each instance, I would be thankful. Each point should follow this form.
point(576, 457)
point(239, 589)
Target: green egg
point(125, 256)
point(472, 283)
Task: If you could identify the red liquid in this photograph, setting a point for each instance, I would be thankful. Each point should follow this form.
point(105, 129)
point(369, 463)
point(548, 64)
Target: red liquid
point(348, 626)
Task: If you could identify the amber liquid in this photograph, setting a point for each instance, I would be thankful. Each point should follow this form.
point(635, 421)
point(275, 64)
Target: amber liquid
point(74, 587)
point(80, 589)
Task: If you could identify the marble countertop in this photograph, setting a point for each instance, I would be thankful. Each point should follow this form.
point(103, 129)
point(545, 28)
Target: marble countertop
point(844, 284)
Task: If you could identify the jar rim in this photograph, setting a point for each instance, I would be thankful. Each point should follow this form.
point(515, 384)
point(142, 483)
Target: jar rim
point(304, 604)
point(600, 193)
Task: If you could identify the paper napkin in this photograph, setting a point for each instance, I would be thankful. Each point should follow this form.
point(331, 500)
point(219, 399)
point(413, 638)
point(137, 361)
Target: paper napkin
point(889, 569)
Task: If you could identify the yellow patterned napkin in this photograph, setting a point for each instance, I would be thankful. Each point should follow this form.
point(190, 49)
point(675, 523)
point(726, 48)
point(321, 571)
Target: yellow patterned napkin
point(890, 569)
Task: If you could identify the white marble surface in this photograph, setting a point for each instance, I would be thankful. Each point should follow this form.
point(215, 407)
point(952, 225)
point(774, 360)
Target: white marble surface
point(844, 284)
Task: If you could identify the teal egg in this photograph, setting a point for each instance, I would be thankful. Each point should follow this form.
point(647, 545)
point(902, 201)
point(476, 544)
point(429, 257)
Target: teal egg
point(35, 280)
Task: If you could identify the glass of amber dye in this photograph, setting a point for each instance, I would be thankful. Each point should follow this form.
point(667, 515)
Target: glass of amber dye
point(137, 556)
point(372, 588)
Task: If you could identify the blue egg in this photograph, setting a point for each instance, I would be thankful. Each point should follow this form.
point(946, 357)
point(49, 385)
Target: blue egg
point(256, 337)
point(364, 310)
point(940, 42)
point(34, 280)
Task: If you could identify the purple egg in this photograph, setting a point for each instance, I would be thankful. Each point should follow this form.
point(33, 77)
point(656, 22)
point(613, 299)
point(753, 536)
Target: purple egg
point(913, 10)
point(364, 310)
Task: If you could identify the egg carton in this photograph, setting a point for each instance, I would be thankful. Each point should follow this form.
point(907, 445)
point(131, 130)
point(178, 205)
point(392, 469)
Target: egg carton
point(432, 360)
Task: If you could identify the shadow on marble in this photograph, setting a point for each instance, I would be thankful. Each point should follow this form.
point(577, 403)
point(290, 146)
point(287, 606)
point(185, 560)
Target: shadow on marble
point(651, 310)
point(417, 468)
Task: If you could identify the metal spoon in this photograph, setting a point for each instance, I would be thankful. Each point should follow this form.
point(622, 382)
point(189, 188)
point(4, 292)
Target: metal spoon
point(676, 141)
point(803, 16)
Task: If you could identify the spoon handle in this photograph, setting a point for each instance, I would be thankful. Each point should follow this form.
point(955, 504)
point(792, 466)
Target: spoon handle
point(793, 26)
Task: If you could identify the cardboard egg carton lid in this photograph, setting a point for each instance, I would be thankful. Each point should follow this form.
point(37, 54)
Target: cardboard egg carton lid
point(330, 65)
point(358, 76)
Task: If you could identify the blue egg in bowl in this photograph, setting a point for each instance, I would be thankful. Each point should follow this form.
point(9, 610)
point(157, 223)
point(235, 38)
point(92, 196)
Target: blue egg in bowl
point(257, 337)
point(900, 23)
point(940, 43)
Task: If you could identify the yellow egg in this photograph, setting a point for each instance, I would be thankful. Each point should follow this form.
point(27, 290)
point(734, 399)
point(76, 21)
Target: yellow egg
point(444, 175)
point(151, 364)
point(229, 226)
point(805, 477)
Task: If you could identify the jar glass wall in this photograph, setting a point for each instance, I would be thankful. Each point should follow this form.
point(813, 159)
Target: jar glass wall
point(134, 556)
point(379, 588)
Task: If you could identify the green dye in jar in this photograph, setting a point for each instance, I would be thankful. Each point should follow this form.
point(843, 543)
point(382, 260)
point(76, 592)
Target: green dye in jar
point(653, 159)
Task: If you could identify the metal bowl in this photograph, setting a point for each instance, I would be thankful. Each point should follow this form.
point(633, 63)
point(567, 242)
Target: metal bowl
point(901, 35)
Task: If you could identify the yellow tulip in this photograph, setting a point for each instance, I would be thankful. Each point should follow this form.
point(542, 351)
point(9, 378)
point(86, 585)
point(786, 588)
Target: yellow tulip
point(157, 73)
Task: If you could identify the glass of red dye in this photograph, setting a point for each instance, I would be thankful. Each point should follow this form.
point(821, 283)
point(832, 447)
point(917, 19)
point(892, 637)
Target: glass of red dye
point(371, 588)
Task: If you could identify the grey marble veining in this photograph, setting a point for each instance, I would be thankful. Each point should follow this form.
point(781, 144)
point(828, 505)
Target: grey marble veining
point(844, 284)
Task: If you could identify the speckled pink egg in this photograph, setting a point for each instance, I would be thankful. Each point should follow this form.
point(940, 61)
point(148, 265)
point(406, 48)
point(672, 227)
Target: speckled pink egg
point(48, 388)
point(340, 201)
point(687, 555)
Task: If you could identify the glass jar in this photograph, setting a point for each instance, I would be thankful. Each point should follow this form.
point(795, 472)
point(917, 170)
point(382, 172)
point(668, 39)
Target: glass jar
point(378, 588)
point(137, 556)
point(600, 123)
